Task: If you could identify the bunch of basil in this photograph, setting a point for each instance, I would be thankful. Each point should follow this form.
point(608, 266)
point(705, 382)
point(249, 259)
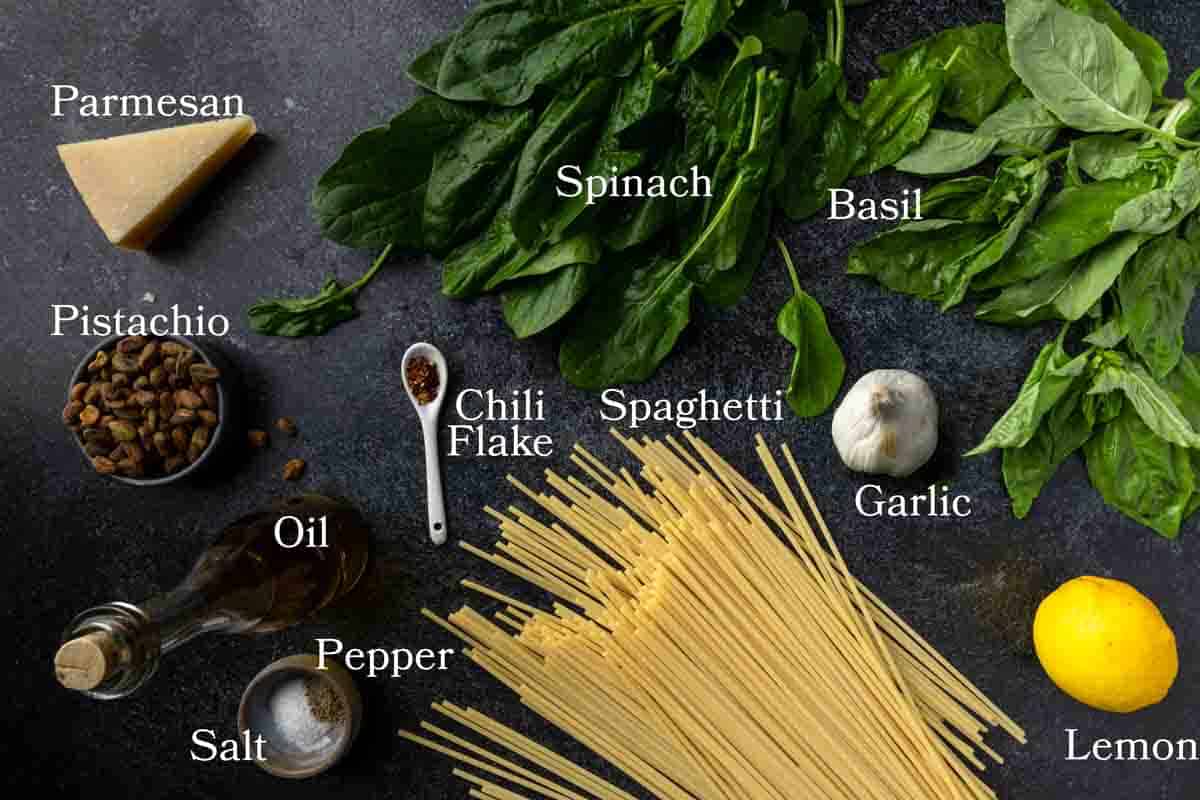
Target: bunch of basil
point(1115, 250)
point(749, 92)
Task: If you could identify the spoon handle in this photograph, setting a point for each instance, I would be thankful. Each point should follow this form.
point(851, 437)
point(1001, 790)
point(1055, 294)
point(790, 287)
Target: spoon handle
point(433, 485)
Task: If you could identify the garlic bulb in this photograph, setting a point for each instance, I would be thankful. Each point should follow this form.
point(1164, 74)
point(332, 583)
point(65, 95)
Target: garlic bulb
point(887, 424)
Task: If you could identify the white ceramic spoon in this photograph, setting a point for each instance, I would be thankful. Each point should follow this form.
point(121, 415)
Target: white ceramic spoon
point(428, 414)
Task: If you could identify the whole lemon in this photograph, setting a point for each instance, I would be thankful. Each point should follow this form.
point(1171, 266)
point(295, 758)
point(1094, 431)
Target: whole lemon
point(1104, 643)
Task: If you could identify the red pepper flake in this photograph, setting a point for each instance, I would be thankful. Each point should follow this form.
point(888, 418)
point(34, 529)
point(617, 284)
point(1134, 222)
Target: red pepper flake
point(422, 378)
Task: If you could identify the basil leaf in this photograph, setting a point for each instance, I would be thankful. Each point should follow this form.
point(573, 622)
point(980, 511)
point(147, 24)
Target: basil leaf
point(532, 305)
point(1161, 210)
point(1109, 335)
point(1105, 156)
point(1140, 474)
point(1063, 430)
point(975, 61)
point(1156, 295)
point(625, 327)
point(471, 175)
point(818, 368)
point(895, 116)
point(1155, 406)
point(1095, 274)
point(1073, 222)
point(1020, 126)
point(1184, 386)
point(1148, 52)
point(943, 152)
point(959, 198)
point(1077, 67)
point(424, 69)
point(913, 257)
point(506, 49)
point(1053, 374)
point(374, 194)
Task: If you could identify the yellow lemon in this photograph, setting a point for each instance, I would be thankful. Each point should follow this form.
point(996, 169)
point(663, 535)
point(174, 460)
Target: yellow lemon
point(1105, 644)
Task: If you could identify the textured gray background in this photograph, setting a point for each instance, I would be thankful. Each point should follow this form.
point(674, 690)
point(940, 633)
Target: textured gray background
point(313, 73)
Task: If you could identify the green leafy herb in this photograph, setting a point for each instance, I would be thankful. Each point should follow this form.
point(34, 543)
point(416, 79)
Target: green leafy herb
point(818, 368)
point(312, 316)
point(1156, 295)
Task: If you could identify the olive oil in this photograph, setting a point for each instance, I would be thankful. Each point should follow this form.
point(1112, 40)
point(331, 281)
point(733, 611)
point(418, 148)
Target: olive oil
point(265, 572)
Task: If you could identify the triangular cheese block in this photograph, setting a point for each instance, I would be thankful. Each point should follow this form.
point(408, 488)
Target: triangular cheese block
point(135, 184)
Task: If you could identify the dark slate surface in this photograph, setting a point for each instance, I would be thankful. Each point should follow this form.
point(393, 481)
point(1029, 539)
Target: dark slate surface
point(314, 73)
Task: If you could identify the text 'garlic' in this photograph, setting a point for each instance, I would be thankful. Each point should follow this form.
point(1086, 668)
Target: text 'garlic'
point(887, 424)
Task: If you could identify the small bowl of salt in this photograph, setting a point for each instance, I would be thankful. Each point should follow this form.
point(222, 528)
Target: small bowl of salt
point(307, 716)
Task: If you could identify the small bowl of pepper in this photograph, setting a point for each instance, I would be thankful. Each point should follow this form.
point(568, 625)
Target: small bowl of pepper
point(146, 411)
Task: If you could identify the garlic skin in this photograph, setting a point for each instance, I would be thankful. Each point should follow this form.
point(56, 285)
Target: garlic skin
point(887, 424)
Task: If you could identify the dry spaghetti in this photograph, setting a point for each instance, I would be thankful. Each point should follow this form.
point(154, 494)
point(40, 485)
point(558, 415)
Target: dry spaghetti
point(711, 644)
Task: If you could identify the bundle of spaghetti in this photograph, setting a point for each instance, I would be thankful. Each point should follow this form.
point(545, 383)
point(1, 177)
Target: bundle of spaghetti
point(711, 644)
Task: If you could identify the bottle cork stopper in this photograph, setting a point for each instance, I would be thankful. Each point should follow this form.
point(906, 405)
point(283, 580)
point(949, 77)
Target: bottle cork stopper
point(83, 664)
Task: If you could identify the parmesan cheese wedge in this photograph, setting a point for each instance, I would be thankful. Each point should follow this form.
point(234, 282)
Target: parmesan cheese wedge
point(135, 184)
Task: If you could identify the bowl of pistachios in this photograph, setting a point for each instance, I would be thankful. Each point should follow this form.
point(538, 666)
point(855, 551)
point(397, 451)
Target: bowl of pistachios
point(146, 411)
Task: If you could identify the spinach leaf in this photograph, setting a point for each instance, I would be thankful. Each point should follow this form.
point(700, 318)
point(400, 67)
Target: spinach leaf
point(1161, 210)
point(374, 194)
point(702, 20)
point(565, 131)
point(1077, 67)
point(312, 316)
point(1148, 52)
point(943, 152)
point(471, 175)
point(913, 258)
point(1072, 222)
point(975, 61)
point(726, 288)
point(582, 248)
point(805, 116)
point(1156, 295)
point(834, 153)
point(1063, 430)
point(895, 116)
point(1152, 402)
point(424, 69)
point(472, 264)
point(625, 327)
point(1140, 474)
point(818, 368)
point(1052, 376)
point(532, 305)
point(506, 49)
point(1021, 126)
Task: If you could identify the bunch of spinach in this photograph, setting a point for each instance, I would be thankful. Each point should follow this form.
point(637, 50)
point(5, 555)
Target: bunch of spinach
point(747, 92)
point(1067, 91)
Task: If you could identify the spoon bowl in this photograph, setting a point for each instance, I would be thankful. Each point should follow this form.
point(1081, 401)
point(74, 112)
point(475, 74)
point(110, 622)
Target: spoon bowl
point(427, 413)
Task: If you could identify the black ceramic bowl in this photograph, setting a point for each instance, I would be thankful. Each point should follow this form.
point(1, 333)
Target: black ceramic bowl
point(79, 376)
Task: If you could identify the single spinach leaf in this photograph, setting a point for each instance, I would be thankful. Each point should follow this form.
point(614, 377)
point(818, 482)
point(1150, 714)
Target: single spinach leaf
point(702, 20)
point(818, 368)
point(1140, 474)
point(312, 316)
point(1156, 294)
point(1151, 401)
point(1145, 48)
point(835, 152)
point(978, 77)
point(1021, 126)
point(1053, 374)
point(895, 116)
point(582, 248)
point(1077, 67)
point(943, 152)
point(625, 327)
point(424, 69)
point(805, 116)
point(471, 175)
point(1063, 430)
point(565, 132)
point(471, 265)
point(506, 49)
point(374, 194)
point(725, 289)
point(532, 305)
